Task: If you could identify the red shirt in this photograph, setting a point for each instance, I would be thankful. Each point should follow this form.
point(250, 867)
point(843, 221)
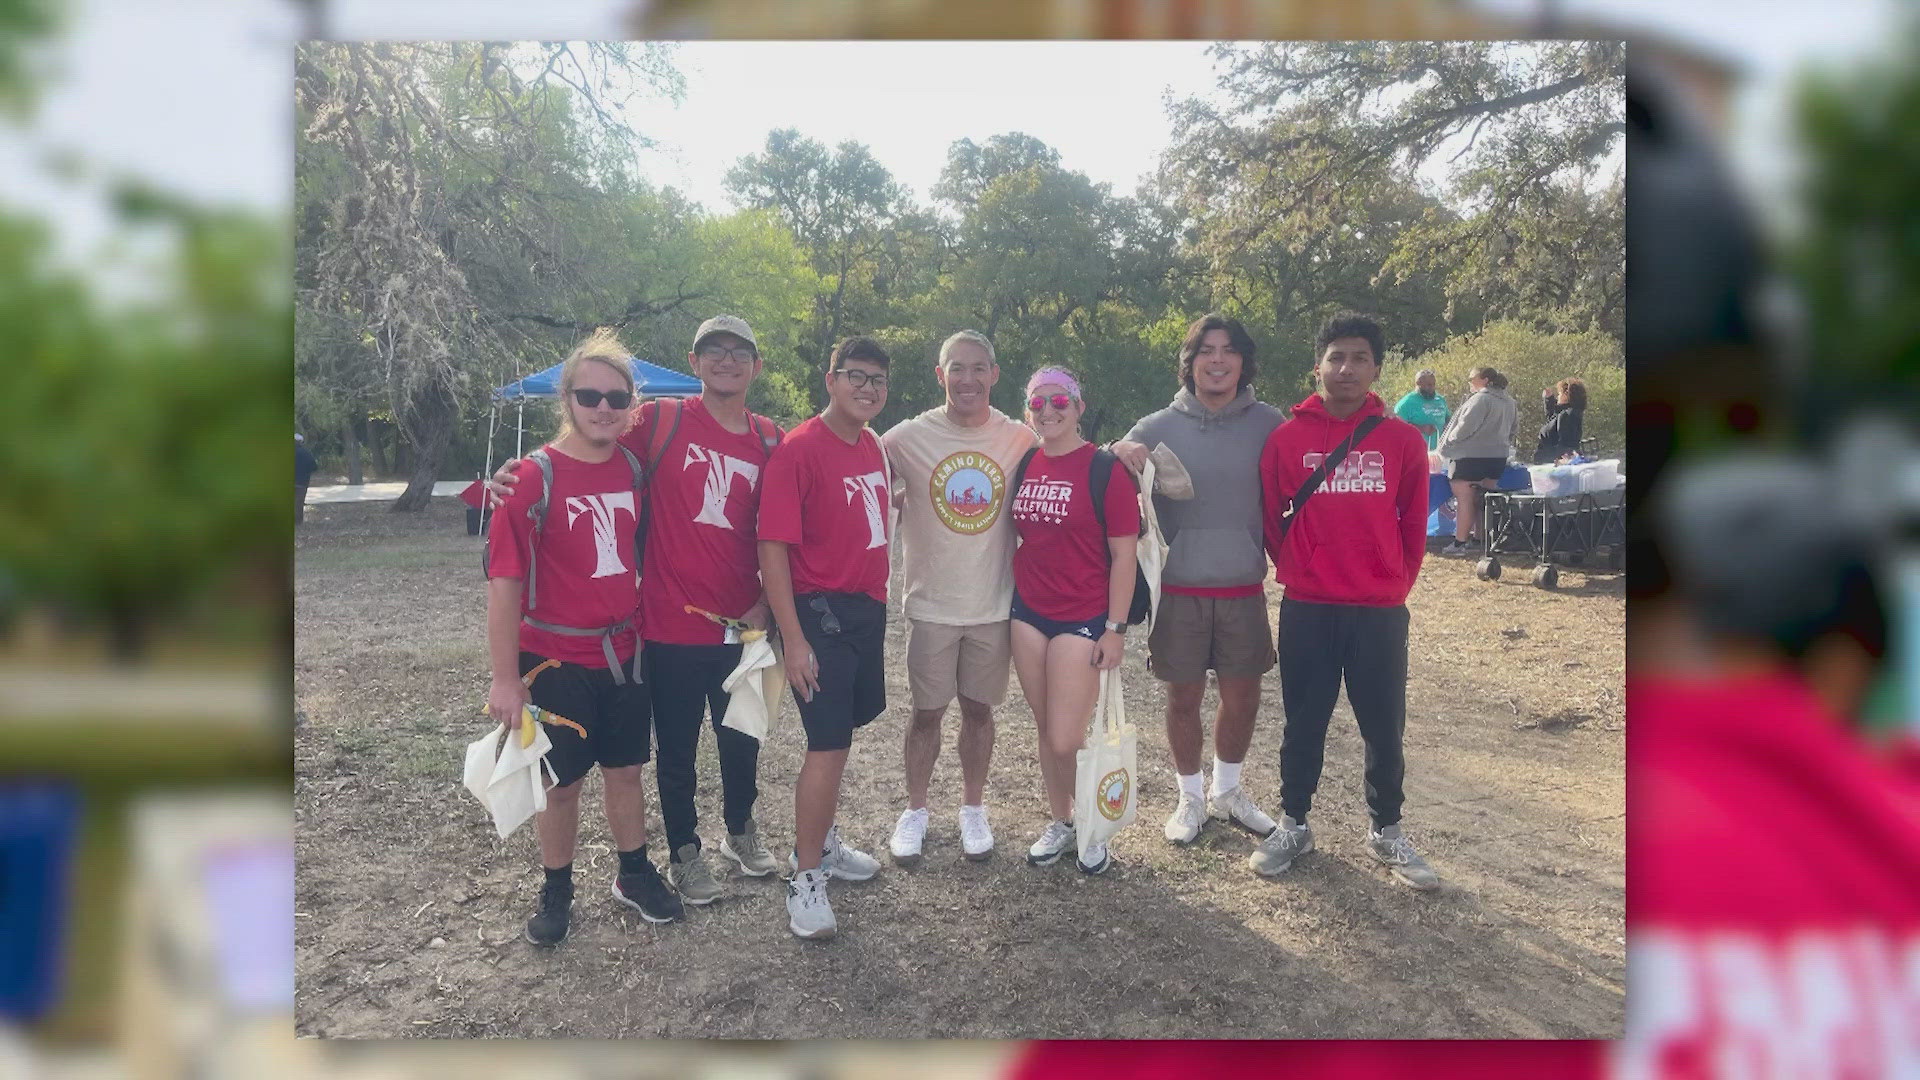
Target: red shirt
point(1774, 915)
point(583, 564)
point(1060, 568)
point(702, 533)
point(828, 501)
point(1360, 537)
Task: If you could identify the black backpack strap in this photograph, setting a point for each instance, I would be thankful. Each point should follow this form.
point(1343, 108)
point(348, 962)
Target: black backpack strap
point(656, 450)
point(1099, 478)
point(537, 514)
point(1326, 467)
point(769, 433)
point(1020, 470)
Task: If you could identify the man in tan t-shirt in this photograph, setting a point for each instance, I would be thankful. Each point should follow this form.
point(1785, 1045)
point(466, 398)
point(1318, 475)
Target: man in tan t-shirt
point(950, 467)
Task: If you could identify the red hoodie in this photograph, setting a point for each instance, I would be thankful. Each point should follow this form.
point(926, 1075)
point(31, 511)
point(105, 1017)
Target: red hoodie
point(1361, 535)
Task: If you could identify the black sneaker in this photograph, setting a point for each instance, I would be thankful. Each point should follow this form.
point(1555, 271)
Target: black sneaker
point(548, 927)
point(648, 893)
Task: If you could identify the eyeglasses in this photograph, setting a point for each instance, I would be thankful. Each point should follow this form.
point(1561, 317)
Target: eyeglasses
point(858, 379)
point(716, 353)
point(829, 622)
point(590, 399)
point(1058, 401)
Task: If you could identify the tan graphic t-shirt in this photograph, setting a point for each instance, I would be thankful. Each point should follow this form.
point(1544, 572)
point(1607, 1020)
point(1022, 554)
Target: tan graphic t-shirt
point(958, 557)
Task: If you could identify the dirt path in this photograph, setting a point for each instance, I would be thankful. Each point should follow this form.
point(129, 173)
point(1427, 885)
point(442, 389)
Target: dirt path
point(410, 910)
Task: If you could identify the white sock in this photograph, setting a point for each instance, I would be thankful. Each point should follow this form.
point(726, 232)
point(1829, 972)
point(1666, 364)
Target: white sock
point(1193, 784)
point(1226, 775)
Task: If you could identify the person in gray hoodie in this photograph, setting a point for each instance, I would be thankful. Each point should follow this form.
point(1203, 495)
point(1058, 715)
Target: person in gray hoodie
point(1477, 443)
point(1213, 613)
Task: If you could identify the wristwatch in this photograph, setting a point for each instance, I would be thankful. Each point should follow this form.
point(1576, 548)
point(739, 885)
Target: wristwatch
point(1116, 627)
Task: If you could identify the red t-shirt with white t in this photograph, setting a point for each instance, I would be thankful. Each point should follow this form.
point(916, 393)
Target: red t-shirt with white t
point(583, 564)
point(828, 501)
point(702, 531)
point(1060, 568)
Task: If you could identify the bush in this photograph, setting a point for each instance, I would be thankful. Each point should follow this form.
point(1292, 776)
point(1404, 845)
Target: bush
point(1532, 360)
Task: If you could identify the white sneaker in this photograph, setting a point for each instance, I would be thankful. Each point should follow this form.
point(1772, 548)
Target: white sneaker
point(1234, 806)
point(808, 913)
point(976, 839)
point(1101, 860)
point(841, 861)
point(908, 836)
point(1184, 826)
point(1059, 837)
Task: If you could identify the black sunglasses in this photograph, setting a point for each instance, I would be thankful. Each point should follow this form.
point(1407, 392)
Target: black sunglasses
point(590, 399)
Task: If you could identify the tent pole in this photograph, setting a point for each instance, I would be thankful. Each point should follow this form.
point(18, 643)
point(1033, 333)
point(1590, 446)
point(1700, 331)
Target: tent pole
point(520, 428)
point(493, 424)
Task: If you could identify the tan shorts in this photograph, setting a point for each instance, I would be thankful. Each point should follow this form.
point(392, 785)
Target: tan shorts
point(1229, 635)
point(969, 660)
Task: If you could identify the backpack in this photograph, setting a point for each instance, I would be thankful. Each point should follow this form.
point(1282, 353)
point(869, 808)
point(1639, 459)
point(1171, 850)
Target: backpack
point(769, 438)
point(1100, 476)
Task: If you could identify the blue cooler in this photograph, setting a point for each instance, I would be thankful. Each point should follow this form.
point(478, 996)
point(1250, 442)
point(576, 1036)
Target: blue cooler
point(38, 822)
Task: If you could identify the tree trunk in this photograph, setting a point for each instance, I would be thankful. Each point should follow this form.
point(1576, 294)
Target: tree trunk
point(351, 441)
point(377, 444)
point(430, 433)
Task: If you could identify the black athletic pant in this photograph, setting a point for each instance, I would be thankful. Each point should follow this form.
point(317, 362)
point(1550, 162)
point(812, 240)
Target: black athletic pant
point(1319, 643)
point(685, 684)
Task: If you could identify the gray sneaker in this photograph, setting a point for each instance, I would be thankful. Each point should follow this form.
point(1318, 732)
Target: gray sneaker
point(841, 861)
point(1395, 851)
point(692, 878)
point(748, 853)
point(808, 913)
point(1058, 837)
point(1277, 852)
point(1234, 806)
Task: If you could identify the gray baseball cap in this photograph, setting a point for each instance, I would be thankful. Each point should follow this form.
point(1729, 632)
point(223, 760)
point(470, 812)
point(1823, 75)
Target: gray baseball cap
point(725, 324)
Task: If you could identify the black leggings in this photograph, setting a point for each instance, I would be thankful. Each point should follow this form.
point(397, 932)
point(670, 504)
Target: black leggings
point(1319, 643)
point(685, 683)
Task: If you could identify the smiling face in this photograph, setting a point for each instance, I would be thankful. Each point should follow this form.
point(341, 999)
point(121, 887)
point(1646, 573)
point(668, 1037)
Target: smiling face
point(1347, 370)
point(968, 374)
point(858, 403)
point(599, 424)
point(724, 364)
point(1049, 421)
point(1217, 366)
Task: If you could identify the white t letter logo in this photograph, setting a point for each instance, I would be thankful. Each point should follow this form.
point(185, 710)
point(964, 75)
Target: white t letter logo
point(606, 539)
point(722, 471)
point(869, 487)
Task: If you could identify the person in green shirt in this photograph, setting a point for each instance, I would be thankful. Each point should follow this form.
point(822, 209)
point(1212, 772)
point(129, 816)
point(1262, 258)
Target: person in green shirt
point(1424, 408)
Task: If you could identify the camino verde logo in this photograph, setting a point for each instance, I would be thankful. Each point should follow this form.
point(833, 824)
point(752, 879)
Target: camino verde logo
point(1113, 794)
point(967, 490)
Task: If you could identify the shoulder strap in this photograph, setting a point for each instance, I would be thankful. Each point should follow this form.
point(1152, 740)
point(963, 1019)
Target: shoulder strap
point(1319, 475)
point(769, 435)
point(1020, 470)
point(656, 448)
point(537, 515)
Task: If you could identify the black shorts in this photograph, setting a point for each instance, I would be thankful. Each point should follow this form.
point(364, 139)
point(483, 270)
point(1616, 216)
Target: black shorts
point(592, 718)
point(1477, 468)
point(849, 641)
point(1091, 629)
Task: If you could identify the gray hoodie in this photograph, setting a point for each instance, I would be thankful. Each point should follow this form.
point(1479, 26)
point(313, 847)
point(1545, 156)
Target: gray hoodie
point(1483, 428)
point(1215, 537)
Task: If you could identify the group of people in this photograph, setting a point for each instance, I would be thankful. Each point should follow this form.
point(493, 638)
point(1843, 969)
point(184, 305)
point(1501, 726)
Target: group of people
point(1477, 441)
point(631, 556)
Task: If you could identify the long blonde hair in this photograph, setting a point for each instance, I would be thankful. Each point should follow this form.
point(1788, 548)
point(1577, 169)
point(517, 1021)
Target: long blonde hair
point(603, 346)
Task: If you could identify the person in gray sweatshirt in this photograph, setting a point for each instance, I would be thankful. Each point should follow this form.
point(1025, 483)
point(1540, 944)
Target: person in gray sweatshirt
point(1213, 613)
point(1477, 443)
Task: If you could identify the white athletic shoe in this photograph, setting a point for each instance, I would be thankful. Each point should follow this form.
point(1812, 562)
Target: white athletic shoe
point(908, 836)
point(1234, 806)
point(808, 913)
point(841, 861)
point(1184, 826)
point(976, 839)
point(1058, 838)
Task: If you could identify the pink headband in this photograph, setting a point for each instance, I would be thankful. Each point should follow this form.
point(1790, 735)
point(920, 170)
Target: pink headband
point(1055, 375)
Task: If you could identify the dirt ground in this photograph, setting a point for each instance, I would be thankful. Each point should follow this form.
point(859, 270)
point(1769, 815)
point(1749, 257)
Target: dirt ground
point(410, 911)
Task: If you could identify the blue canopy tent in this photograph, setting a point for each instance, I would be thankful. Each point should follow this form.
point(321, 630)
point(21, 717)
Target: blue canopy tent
point(651, 380)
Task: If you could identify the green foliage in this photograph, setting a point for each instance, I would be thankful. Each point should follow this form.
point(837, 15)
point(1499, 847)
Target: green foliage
point(1532, 360)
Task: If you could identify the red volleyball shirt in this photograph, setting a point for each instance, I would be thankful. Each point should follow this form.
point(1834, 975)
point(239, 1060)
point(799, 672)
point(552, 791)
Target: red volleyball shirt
point(828, 501)
point(583, 563)
point(1060, 568)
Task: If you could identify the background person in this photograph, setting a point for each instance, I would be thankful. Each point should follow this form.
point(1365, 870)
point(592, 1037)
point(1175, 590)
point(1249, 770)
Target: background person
point(1477, 443)
point(1425, 408)
point(1566, 403)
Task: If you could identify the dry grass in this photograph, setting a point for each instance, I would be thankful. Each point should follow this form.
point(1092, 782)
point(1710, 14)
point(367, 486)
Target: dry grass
point(1515, 772)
